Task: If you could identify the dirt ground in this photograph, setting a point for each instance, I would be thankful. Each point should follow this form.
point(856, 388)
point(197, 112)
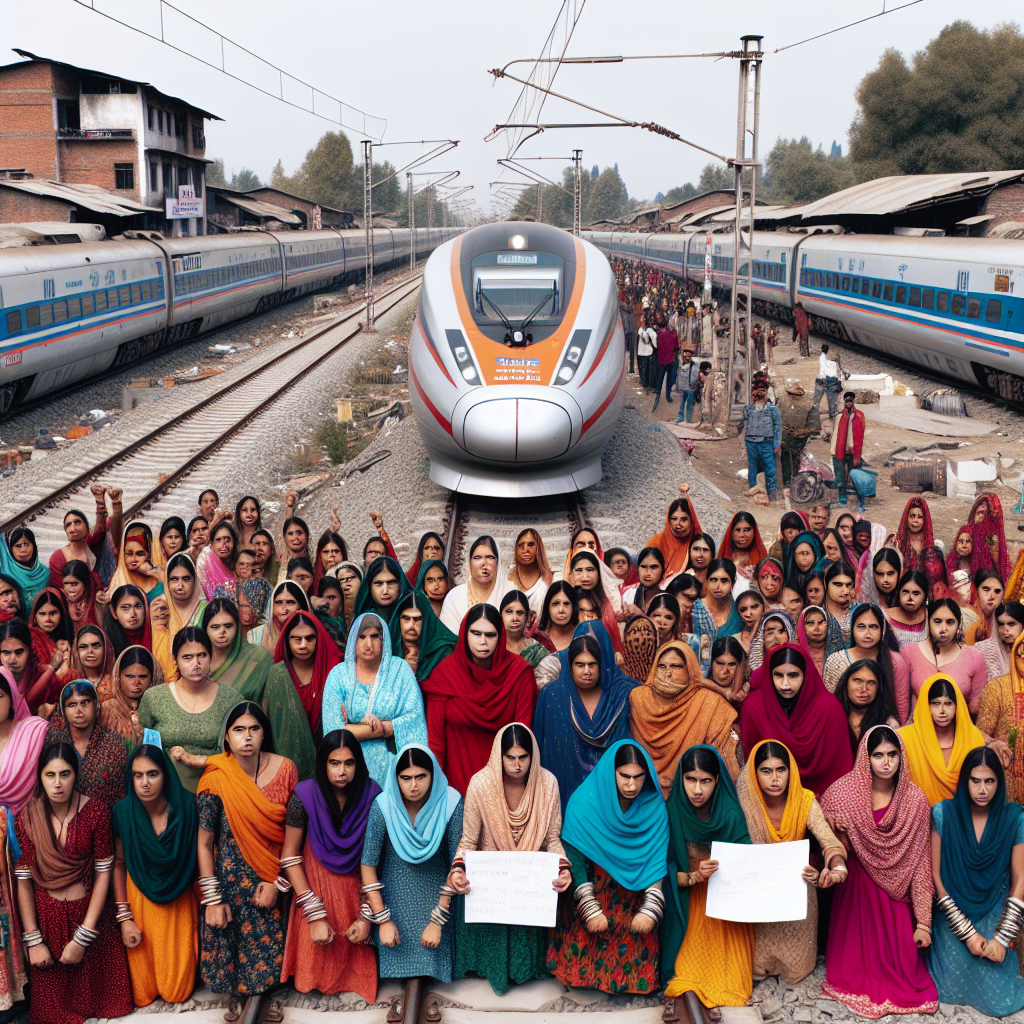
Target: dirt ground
point(719, 459)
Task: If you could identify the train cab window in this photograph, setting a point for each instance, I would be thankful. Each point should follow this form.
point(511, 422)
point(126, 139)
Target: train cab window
point(876, 289)
point(942, 301)
point(60, 311)
point(928, 298)
point(901, 293)
point(124, 293)
point(973, 307)
point(74, 309)
point(32, 317)
point(887, 292)
point(88, 305)
point(958, 305)
point(846, 284)
point(915, 297)
point(14, 322)
point(101, 301)
point(993, 311)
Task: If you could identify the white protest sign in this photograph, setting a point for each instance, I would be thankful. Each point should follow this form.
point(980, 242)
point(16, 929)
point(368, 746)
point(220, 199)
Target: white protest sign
point(761, 882)
point(511, 888)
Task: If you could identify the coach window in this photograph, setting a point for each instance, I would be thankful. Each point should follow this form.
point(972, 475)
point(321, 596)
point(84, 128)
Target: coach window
point(993, 311)
point(88, 305)
point(865, 285)
point(101, 301)
point(928, 298)
point(125, 295)
point(14, 322)
point(846, 284)
point(915, 297)
point(876, 289)
point(958, 305)
point(942, 301)
point(887, 294)
point(901, 293)
point(32, 317)
point(973, 307)
point(74, 309)
point(46, 314)
point(60, 311)
point(855, 285)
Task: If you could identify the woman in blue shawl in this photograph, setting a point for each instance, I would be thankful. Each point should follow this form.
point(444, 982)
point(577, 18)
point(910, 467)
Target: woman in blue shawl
point(979, 887)
point(801, 562)
point(381, 595)
point(411, 838)
point(19, 561)
point(615, 835)
point(572, 732)
point(375, 696)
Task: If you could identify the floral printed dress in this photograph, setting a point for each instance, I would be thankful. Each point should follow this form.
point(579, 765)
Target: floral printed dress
point(244, 958)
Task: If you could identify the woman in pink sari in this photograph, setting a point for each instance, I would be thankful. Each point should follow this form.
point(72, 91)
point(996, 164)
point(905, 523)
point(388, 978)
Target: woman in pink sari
point(882, 915)
point(216, 562)
point(989, 534)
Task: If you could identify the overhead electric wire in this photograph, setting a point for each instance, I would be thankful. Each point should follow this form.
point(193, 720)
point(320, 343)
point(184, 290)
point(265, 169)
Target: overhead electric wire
point(832, 31)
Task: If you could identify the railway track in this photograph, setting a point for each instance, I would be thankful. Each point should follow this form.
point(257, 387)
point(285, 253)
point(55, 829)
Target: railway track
point(150, 468)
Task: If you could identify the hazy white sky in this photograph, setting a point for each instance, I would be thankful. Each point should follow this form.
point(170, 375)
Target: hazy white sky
point(424, 68)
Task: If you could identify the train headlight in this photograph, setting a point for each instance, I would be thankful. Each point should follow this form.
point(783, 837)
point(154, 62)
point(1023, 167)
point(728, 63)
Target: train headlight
point(573, 356)
point(518, 242)
point(463, 356)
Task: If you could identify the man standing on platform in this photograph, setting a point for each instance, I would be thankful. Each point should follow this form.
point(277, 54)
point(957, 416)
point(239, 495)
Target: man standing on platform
point(800, 420)
point(847, 445)
point(763, 425)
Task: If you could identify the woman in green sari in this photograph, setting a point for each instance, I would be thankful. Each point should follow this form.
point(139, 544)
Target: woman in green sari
point(247, 668)
point(419, 636)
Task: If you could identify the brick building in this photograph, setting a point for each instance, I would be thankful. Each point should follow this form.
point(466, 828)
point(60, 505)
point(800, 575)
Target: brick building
point(70, 125)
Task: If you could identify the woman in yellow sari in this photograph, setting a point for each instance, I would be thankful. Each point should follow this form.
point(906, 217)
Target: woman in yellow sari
point(939, 738)
point(999, 719)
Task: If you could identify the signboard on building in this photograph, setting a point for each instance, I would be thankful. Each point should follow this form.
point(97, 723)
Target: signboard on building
point(185, 206)
point(317, 219)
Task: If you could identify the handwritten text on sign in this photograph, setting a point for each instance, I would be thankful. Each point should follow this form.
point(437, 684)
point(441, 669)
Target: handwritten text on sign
point(511, 888)
point(760, 882)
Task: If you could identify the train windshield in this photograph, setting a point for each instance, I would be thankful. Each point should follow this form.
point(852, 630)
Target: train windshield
point(515, 293)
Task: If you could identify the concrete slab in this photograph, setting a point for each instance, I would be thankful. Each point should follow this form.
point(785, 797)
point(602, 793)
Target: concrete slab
point(740, 1015)
point(477, 993)
point(925, 422)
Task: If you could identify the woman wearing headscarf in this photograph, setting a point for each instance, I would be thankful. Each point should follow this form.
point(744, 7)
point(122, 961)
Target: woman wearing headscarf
point(914, 533)
point(19, 560)
point(480, 687)
point(331, 550)
point(872, 638)
point(650, 575)
point(235, 663)
point(155, 831)
point(77, 959)
point(774, 630)
point(819, 635)
point(791, 526)
point(286, 600)
point(584, 711)
point(185, 604)
point(139, 561)
point(878, 578)
point(939, 738)
point(81, 592)
point(882, 915)
point(487, 584)
point(715, 613)
point(304, 657)
point(135, 671)
point(37, 681)
point(623, 565)
point(215, 565)
point(675, 709)
point(700, 954)
point(432, 582)
point(639, 645)
point(84, 544)
point(989, 535)
point(778, 809)
point(382, 587)
point(92, 659)
point(242, 799)
point(1000, 716)
point(504, 953)
point(102, 752)
point(374, 695)
point(531, 573)
point(793, 707)
point(419, 636)
point(615, 835)
point(127, 619)
point(522, 637)
point(769, 578)
point(742, 545)
point(804, 553)
point(51, 630)
point(412, 838)
point(560, 615)
point(674, 541)
point(429, 549)
point(585, 574)
point(324, 831)
point(866, 699)
point(978, 890)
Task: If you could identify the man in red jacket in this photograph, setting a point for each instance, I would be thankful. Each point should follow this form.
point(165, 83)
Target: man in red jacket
point(847, 444)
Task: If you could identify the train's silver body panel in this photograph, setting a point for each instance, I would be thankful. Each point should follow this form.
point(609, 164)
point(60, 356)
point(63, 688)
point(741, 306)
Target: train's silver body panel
point(516, 420)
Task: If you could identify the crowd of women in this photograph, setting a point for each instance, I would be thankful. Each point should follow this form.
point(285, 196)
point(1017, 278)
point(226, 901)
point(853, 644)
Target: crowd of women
point(251, 758)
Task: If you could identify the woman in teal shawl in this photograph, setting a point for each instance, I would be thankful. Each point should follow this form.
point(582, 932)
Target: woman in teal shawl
point(437, 600)
point(153, 875)
point(712, 958)
point(980, 877)
point(436, 640)
point(571, 740)
point(412, 859)
point(796, 575)
point(19, 561)
point(368, 597)
point(616, 837)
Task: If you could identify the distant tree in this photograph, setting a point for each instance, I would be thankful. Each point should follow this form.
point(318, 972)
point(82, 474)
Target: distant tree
point(215, 173)
point(326, 175)
point(714, 176)
point(557, 201)
point(958, 106)
point(608, 198)
point(595, 173)
point(678, 194)
point(795, 172)
point(387, 196)
point(278, 179)
point(245, 180)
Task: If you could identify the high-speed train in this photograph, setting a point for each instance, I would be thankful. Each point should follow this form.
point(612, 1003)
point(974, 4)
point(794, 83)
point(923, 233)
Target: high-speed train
point(516, 361)
point(69, 312)
point(948, 304)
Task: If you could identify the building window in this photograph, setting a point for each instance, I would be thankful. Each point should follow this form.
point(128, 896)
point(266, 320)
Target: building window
point(68, 114)
point(160, 121)
point(198, 138)
point(182, 126)
point(124, 176)
point(170, 123)
point(197, 181)
point(152, 118)
point(152, 175)
point(168, 181)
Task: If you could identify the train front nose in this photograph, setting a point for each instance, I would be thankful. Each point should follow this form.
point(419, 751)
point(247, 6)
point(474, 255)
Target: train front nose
point(516, 428)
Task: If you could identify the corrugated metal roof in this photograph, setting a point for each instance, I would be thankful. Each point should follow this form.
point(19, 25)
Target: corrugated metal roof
point(258, 209)
point(903, 192)
point(728, 215)
point(92, 197)
point(980, 219)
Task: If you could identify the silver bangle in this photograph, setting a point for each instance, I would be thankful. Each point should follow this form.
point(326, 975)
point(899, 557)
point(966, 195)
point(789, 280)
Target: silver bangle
point(368, 915)
point(209, 891)
point(85, 936)
point(32, 938)
point(290, 862)
point(23, 874)
point(653, 904)
point(103, 865)
point(1011, 922)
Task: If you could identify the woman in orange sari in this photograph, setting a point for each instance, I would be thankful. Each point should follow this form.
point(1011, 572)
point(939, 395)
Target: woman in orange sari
point(674, 541)
point(1000, 717)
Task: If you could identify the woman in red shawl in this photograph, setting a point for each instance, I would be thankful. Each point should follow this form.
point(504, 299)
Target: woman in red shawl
point(674, 541)
point(914, 533)
point(743, 545)
point(798, 711)
point(986, 525)
point(962, 556)
point(308, 654)
point(477, 690)
point(37, 681)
